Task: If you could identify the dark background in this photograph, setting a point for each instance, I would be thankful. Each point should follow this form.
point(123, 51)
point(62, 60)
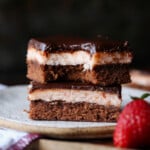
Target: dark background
point(22, 19)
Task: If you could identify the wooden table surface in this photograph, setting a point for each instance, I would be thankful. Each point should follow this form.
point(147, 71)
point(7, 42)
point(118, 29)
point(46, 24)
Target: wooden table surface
point(50, 144)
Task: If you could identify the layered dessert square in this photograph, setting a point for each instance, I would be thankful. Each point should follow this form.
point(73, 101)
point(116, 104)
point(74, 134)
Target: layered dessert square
point(98, 61)
point(74, 102)
point(140, 79)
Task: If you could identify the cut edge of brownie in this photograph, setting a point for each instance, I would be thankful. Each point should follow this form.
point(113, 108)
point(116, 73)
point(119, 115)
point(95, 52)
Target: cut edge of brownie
point(81, 111)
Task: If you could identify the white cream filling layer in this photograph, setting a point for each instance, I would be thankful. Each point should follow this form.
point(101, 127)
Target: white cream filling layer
point(74, 96)
point(79, 58)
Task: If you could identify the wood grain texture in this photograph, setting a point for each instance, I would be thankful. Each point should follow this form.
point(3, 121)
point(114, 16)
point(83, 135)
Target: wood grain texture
point(45, 144)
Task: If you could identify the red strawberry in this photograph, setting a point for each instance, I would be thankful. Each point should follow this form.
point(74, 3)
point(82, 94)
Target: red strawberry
point(133, 127)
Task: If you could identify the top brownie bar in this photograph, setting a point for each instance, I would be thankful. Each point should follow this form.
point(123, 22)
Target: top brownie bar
point(97, 61)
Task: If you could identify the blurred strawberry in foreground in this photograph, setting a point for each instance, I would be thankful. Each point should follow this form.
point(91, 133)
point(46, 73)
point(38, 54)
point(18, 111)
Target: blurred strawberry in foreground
point(133, 127)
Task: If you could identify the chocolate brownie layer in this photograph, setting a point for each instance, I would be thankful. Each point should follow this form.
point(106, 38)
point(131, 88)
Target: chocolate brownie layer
point(59, 110)
point(103, 75)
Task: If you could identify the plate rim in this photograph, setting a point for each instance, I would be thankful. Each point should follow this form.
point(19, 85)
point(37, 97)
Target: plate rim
point(60, 132)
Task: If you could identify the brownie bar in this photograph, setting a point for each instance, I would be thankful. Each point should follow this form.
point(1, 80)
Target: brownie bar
point(140, 79)
point(103, 75)
point(74, 101)
point(83, 111)
point(97, 61)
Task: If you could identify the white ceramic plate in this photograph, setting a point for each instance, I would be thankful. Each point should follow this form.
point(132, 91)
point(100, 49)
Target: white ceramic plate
point(13, 103)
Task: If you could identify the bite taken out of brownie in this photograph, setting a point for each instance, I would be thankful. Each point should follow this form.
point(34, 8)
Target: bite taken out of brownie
point(97, 61)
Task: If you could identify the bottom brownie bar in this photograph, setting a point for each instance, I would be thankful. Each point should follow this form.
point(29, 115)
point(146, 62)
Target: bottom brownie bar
point(81, 111)
point(74, 102)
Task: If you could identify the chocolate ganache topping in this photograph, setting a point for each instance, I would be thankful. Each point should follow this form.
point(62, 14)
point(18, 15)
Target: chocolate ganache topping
point(59, 44)
point(75, 86)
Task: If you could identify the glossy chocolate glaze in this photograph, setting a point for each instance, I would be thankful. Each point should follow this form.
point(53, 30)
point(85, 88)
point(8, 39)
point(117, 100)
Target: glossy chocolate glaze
point(75, 86)
point(58, 44)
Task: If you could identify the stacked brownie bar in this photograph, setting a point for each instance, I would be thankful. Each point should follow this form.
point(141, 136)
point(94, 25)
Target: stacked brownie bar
point(77, 79)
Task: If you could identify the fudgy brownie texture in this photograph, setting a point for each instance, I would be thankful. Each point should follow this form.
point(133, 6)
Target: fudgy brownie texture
point(83, 111)
point(102, 75)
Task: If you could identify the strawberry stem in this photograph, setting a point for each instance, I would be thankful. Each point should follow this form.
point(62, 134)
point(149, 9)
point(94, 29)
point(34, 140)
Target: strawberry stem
point(145, 95)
